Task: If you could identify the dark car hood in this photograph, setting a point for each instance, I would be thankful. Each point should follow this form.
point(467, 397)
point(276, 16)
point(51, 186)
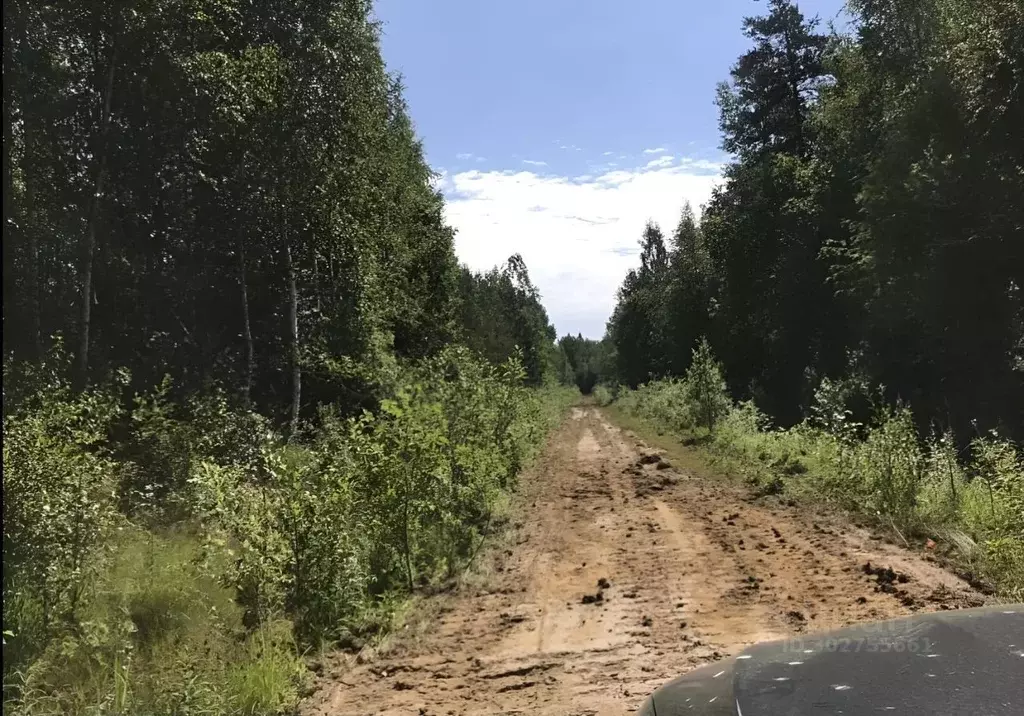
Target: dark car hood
point(961, 662)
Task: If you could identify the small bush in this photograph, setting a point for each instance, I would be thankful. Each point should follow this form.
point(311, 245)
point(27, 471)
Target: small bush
point(59, 508)
point(603, 395)
point(383, 501)
point(891, 466)
point(706, 396)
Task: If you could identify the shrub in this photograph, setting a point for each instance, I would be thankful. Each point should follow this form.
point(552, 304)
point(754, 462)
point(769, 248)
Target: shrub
point(59, 508)
point(232, 547)
point(603, 395)
point(383, 501)
point(705, 392)
point(167, 440)
point(891, 466)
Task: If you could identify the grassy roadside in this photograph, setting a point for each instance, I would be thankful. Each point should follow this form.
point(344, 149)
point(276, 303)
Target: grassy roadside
point(189, 561)
point(685, 452)
point(974, 536)
point(415, 616)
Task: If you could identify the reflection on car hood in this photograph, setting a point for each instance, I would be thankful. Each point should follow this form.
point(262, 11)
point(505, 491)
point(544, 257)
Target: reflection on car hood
point(946, 663)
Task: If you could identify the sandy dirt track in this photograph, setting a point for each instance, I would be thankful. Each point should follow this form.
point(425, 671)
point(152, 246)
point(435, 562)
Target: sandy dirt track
point(692, 570)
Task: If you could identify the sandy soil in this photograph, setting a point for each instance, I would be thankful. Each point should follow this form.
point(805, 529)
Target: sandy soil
point(620, 573)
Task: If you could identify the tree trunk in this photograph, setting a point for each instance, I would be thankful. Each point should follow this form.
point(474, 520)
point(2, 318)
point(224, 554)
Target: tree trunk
point(316, 284)
point(9, 215)
point(794, 88)
point(293, 319)
point(250, 359)
point(89, 248)
point(35, 289)
point(27, 228)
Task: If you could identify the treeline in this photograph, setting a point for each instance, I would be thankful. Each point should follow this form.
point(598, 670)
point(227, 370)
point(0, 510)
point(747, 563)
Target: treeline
point(869, 226)
point(251, 400)
point(583, 362)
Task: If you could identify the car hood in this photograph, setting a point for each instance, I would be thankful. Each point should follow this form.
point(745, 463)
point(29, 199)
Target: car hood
point(960, 662)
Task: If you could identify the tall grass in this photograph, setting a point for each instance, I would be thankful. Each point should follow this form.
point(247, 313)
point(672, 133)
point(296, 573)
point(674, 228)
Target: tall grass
point(159, 636)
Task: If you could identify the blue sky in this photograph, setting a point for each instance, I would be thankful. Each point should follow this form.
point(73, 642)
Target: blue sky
point(559, 128)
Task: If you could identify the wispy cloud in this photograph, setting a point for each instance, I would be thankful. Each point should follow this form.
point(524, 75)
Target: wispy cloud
point(608, 154)
point(464, 155)
point(665, 161)
point(656, 150)
point(535, 163)
point(703, 165)
point(578, 234)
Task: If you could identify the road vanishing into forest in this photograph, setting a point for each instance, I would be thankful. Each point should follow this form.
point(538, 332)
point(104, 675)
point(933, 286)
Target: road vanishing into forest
point(619, 572)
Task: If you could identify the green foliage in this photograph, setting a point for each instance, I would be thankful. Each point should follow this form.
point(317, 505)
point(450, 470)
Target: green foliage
point(59, 507)
point(251, 213)
point(379, 502)
point(972, 498)
point(502, 316)
point(636, 328)
point(663, 403)
point(603, 395)
point(891, 465)
point(185, 171)
point(705, 392)
point(161, 636)
point(585, 362)
point(869, 211)
point(166, 440)
point(274, 544)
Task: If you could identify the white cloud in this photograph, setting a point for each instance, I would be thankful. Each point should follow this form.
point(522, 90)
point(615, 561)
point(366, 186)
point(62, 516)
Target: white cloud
point(656, 150)
point(577, 234)
point(704, 165)
point(534, 162)
point(665, 161)
point(608, 154)
point(464, 155)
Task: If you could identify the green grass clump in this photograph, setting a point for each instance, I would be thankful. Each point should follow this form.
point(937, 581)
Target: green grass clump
point(160, 636)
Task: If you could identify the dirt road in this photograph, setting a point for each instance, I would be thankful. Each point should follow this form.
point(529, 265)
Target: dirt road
point(690, 570)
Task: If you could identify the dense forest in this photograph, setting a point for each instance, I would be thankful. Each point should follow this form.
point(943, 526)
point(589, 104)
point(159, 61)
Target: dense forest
point(849, 303)
point(870, 223)
point(234, 195)
point(251, 400)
